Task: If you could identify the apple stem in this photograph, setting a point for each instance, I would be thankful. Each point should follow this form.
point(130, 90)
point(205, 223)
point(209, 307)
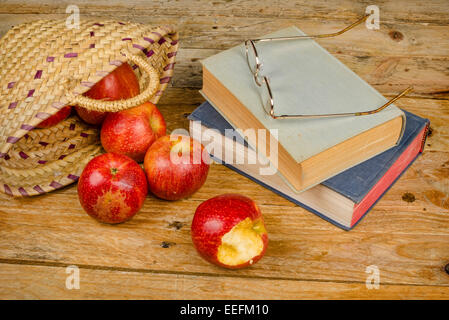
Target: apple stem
point(114, 171)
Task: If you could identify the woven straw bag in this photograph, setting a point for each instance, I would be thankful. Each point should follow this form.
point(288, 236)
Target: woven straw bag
point(45, 66)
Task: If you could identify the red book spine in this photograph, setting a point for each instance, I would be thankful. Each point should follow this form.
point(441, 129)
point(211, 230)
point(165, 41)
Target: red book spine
point(390, 176)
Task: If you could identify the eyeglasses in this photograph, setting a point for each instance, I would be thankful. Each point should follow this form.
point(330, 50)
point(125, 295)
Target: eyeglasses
point(255, 65)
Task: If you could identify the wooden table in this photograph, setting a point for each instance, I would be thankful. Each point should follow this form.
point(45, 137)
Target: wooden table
point(152, 256)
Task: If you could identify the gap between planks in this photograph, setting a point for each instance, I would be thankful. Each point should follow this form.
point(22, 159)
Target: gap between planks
point(197, 274)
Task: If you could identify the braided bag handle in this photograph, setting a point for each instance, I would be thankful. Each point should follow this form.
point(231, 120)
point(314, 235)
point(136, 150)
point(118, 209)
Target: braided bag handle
point(119, 105)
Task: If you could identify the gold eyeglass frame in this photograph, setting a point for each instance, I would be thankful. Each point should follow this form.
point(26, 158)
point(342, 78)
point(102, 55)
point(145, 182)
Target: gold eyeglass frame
point(261, 80)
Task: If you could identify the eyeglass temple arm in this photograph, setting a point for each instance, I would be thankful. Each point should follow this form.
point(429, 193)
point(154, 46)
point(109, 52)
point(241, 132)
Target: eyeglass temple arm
point(327, 35)
point(363, 113)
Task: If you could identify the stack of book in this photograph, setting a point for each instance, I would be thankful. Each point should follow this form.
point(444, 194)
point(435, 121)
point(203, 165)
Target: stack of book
point(336, 167)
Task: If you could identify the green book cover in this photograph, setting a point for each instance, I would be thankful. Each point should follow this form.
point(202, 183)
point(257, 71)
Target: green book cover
point(305, 79)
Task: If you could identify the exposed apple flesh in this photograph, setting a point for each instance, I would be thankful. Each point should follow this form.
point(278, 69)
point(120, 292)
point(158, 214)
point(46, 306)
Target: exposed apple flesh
point(242, 244)
point(121, 83)
point(229, 231)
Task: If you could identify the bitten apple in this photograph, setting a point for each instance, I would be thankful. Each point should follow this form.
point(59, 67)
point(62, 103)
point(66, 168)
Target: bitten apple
point(229, 231)
point(176, 167)
point(131, 132)
point(112, 188)
point(121, 83)
point(56, 118)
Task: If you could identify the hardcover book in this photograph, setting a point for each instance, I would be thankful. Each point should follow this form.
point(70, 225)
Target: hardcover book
point(342, 200)
point(305, 79)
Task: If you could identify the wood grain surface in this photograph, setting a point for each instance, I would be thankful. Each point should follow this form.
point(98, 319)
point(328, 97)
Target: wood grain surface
point(152, 256)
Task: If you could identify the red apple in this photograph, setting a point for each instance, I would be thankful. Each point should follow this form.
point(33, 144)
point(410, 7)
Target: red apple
point(176, 167)
point(112, 188)
point(131, 132)
point(121, 83)
point(229, 231)
point(56, 118)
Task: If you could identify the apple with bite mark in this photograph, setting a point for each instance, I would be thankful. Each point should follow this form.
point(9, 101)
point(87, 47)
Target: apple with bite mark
point(176, 167)
point(121, 83)
point(56, 118)
point(229, 231)
point(112, 188)
point(131, 132)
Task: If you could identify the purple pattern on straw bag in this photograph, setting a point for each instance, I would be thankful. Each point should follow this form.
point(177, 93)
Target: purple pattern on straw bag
point(42, 143)
point(55, 185)
point(30, 93)
point(23, 155)
point(92, 33)
point(161, 40)
point(157, 33)
point(71, 55)
point(73, 177)
point(169, 66)
point(11, 84)
point(117, 63)
point(171, 54)
point(50, 59)
point(38, 189)
point(72, 126)
point(92, 46)
point(42, 115)
point(42, 161)
point(38, 74)
point(12, 105)
point(72, 146)
point(3, 155)
point(138, 46)
point(7, 157)
point(149, 53)
point(98, 24)
point(173, 43)
point(165, 80)
point(12, 139)
point(134, 67)
point(148, 39)
point(121, 23)
point(84, 135)
point(26, 127)
point(62, 157)
point(127, 39)
point(87, 84)
point(23, 192)
point(58, 105)
point(7, 189)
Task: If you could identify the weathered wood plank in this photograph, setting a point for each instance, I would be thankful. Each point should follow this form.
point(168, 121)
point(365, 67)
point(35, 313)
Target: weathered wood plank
point(405, 11)
point(206, 32)
point(388, 65)
point(45, 282)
